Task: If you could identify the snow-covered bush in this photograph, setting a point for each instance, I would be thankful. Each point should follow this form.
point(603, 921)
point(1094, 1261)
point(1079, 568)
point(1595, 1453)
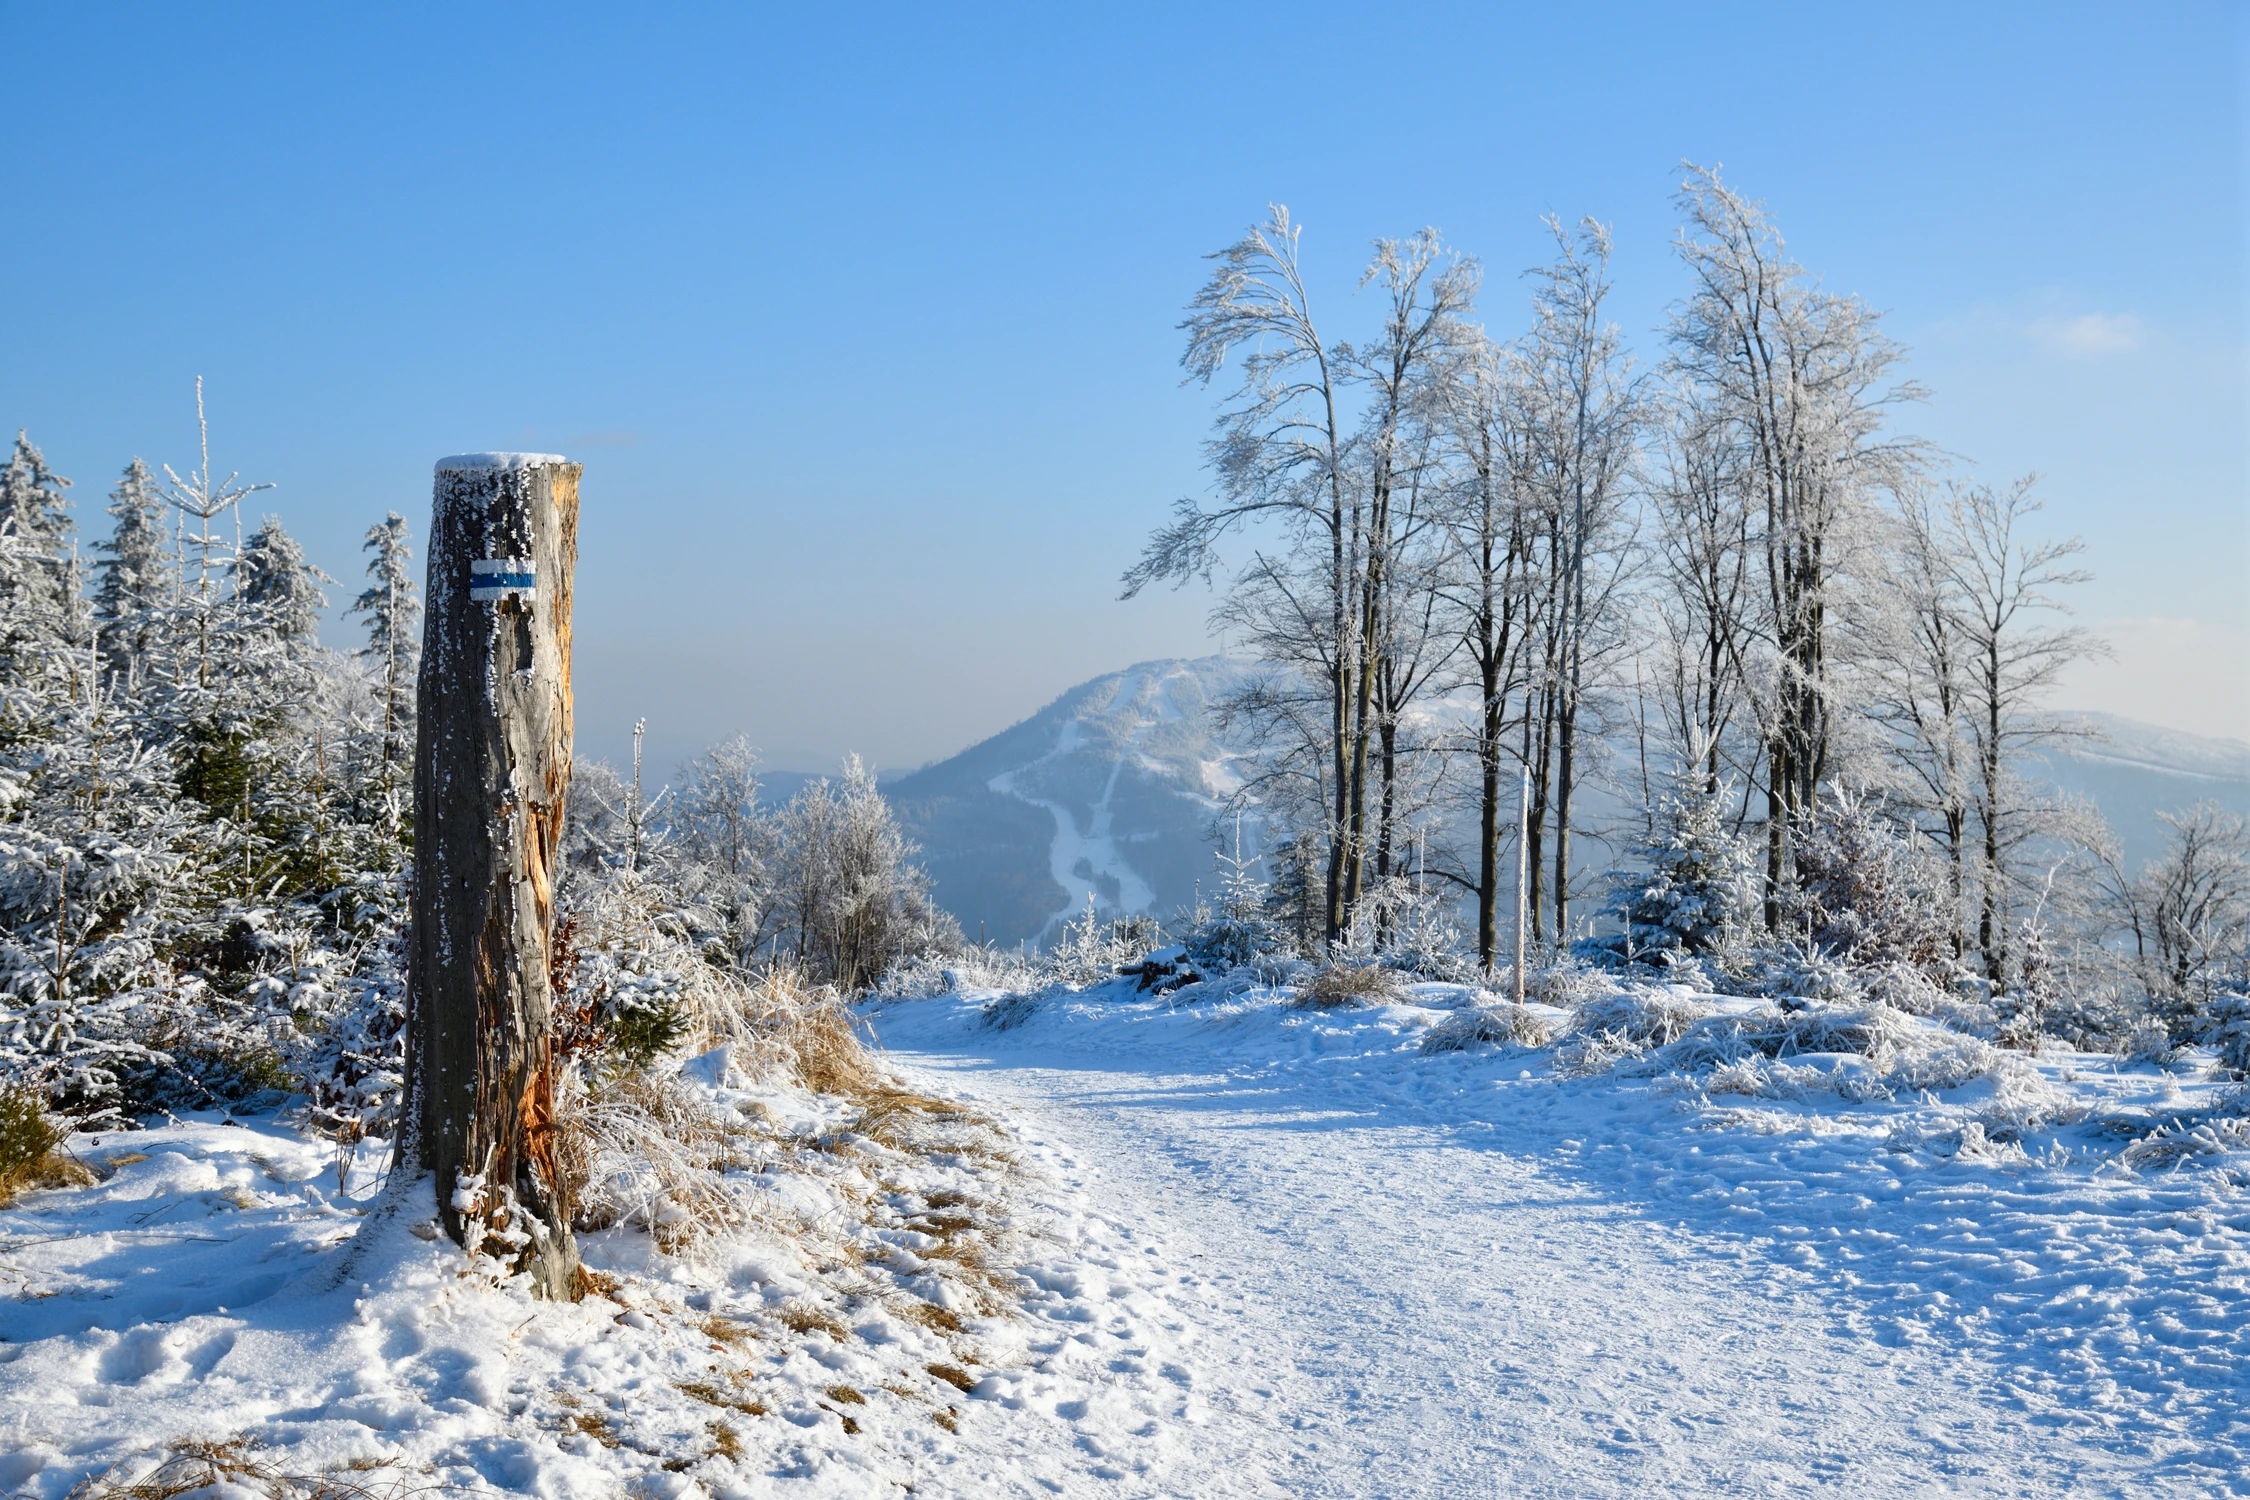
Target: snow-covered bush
point(1661, 1032)
point(1567, 983)
point(2226, 1030)
point(30, 1145)
point(975, 967)
point(1805, 970)
point(1398, 925)
point(1343, 984)
point(1489, 1021)
point(1643, 1016)
point(1864, 895)
point(1094, 948)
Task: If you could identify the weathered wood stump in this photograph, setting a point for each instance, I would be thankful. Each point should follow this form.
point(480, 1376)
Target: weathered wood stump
point(491, 768)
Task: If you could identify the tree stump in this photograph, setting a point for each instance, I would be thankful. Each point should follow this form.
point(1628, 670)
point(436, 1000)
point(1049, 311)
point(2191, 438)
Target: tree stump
point(491, 768)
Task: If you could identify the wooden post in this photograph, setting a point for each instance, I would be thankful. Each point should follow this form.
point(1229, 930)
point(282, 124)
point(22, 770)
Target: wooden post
point(491, 767)
point(1523, 872)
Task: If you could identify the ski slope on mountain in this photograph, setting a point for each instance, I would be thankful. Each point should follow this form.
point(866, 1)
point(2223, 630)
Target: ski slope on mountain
point(1411, 1275)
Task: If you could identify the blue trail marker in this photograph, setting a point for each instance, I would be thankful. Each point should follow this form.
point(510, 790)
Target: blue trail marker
point(492, 579)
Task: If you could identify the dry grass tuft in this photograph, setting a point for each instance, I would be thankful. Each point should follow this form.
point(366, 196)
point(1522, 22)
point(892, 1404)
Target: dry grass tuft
point(781, 1022)
point(1341, 985)
point(31, 1154)
point(727, 1331)
point(955, 1376)
point(803, 1317)
point(640, 1148)
point(714, 1395)
point(594, 1425)
point(726, 1443)
point(847, 1395)
point(889, 1114)
point(932, 1317)
point(1646, 1018)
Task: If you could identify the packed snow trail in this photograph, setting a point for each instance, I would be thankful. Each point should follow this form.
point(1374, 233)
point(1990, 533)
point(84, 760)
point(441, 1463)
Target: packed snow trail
point(1388, 1301)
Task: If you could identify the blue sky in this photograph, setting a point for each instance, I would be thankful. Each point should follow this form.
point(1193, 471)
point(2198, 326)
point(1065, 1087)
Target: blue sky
point(864, 322)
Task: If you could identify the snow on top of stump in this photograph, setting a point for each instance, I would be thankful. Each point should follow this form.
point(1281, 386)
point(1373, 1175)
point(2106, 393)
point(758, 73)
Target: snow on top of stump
point(499, 461)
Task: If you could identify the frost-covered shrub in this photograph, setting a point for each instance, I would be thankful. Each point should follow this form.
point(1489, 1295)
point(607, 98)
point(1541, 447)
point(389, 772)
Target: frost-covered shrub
point(2149, 1040)
point(1865, 896)
point(1905, 988)
point(641, 1149)
point(1645, 1017)
point(2226, 1029)
point(2024, 1102)
point(1939, 1060)
point(1660, 1033)
point(356, 1075)
point(31, 1154)
point(1347, 984)
point(1805, 970)
point(928, 975)
point(1567, 984)
point(2206, 1142)
point(1094, 948)
point(1588, 1054)
point(1397, 926)
point(1489, 1021)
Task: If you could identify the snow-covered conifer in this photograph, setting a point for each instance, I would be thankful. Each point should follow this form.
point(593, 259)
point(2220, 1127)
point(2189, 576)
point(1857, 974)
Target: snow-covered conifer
point(279, 589)
point(134, 581)
point(1238, 930)
point(392, 607)
point(38, 575)
point(1696, 891)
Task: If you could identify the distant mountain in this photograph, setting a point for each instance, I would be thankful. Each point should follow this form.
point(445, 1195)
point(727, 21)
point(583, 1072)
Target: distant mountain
point(1114, 786)
point(2134, 771)
point(1110, 789)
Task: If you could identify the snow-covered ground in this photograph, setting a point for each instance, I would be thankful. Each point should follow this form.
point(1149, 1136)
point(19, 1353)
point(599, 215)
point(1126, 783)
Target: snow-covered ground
point(1460, 1274)
point(867, 1331)
point(1251, 1251)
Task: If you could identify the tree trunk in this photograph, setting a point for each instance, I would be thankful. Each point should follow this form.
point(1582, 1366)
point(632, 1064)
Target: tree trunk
point(492, 765)
point(1488, 830)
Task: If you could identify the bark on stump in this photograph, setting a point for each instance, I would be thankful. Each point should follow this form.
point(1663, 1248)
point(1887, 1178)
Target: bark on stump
point(491, 767)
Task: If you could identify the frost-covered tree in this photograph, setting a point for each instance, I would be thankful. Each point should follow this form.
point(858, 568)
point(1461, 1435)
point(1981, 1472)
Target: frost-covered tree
point(855, 901)
point(134, 582)
point(1799, 378)
point(1584, 412)
point(1964, 644)
point(725, 846)
point(1236, 928)
point(39, 605)
point(278, 589)
point(1864, 894)
point(1486, 584)
point(1296, 900)
point(1324, 609)
point(202, 498)
point(392, 607)
point(2187, 914)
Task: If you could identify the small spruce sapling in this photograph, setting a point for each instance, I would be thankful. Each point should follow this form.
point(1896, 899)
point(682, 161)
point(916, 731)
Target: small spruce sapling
point(1697, 892)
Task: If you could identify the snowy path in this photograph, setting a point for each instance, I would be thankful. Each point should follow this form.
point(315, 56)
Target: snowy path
point(1392, 1302)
